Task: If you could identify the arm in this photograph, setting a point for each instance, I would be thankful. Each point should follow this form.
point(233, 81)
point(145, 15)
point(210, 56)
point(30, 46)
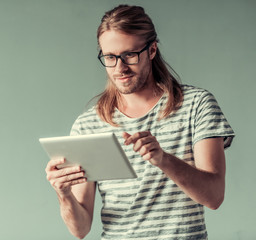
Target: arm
point(76, 196)
point(204, 182)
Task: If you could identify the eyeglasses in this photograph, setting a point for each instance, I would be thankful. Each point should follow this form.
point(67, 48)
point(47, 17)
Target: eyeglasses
point(129, 58)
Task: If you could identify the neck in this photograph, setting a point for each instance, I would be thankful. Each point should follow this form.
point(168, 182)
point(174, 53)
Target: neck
point(139, 103)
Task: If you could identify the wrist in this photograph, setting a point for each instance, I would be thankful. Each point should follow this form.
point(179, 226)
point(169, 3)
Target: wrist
point(165, 161)
point(64, 193)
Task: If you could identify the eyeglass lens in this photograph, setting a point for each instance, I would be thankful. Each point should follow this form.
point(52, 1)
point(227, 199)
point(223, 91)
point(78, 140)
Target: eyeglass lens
point(127, 58)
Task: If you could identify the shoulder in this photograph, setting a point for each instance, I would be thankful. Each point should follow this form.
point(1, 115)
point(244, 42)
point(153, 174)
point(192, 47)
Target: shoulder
point(88, 115)
point(84, 122)
point(189, 90)
point(196, 95)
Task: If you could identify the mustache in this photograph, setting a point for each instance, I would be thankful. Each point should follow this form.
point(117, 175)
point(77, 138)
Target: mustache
point(123, 75)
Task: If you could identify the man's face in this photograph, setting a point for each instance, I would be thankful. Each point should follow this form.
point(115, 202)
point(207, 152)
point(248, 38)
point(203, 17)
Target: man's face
point(128, 78)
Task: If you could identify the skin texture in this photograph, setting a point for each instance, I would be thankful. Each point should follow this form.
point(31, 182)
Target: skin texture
point(204, 182)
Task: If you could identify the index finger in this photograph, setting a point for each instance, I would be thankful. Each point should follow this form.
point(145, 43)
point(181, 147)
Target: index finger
point(136, 136)
point(53, 163)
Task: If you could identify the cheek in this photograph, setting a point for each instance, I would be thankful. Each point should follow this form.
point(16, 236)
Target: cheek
point(144, 64)
point(109, 72)
point(144, 70)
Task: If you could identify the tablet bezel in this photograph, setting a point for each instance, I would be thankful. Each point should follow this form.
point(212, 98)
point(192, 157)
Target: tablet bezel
point(100, 155)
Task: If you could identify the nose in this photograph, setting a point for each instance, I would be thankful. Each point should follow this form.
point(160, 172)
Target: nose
point(120, 66)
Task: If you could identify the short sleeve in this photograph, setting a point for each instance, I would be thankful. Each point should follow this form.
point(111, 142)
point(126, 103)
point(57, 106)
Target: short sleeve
point(209, 120)
point(76, 128)
point(83, 124)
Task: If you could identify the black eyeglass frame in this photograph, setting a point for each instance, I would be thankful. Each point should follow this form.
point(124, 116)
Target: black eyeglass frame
point(120, 56)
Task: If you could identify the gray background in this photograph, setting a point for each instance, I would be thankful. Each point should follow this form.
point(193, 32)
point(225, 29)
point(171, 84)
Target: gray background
point(49, 71)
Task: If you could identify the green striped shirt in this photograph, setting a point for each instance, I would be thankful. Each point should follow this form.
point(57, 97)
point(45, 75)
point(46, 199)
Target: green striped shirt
point(153, 206)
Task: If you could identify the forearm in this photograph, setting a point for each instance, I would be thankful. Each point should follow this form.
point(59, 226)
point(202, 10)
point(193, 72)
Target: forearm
point(206, 188)
point(76, 217)
point(204, 183)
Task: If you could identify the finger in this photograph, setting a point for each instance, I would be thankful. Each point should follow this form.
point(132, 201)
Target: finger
point(152, 146)
point(148, 156)
point(61, 185)
point(71, 177)
point(126, 135)
point(64, 172)
point(133, 138)
point(143, 141)
point(53, 163)
point(57, 182)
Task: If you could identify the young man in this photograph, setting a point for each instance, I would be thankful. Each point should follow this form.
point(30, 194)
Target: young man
point(174, 136)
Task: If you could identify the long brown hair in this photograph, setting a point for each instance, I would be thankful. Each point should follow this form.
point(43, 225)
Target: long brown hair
point(133, 20)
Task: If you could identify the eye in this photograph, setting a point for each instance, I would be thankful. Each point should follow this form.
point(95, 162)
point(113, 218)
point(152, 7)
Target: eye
point(109, 57)
point(130, 55)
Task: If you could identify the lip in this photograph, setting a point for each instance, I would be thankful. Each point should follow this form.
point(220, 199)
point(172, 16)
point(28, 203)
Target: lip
point(124, 78)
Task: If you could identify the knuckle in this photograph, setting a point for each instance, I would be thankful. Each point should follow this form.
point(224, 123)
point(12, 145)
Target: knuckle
point(48, 177)
point(60, 185)
point(47, 168)
point(69, 178)
point(146, 149)
point(53, 183)
point(64, 172)
point(75, 181)
point(57, 185)
point(137, 135)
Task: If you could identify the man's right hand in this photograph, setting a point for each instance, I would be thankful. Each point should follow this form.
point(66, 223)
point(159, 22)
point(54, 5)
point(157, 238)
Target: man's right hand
point(62, 179)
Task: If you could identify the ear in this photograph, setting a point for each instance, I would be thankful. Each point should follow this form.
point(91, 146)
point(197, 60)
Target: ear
point(152, 50)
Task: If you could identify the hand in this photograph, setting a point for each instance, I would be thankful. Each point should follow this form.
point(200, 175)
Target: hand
point(62, 179)
point(147, 146)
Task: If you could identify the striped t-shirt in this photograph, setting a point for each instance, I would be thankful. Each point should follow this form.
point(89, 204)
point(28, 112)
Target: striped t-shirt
point(153, 206)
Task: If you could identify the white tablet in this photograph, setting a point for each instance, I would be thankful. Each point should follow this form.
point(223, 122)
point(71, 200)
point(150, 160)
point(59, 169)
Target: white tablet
point(100, 155)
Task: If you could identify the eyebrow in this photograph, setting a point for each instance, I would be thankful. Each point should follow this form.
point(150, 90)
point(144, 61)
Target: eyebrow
point(127, 51)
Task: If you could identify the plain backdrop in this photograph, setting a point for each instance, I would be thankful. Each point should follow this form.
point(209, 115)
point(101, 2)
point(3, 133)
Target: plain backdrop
point(49, 71)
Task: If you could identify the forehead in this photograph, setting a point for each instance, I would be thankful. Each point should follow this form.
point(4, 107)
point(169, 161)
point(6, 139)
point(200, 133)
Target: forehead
point(117, 42)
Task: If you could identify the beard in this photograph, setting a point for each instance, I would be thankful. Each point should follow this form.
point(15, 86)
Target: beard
point(135, 84)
